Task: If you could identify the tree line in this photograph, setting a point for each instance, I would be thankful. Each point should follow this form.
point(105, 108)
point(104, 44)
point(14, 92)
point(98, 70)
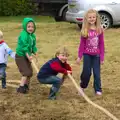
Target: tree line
point(17, 7)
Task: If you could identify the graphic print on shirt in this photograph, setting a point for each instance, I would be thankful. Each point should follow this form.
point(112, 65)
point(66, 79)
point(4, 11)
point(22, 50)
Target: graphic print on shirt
point(92, 42)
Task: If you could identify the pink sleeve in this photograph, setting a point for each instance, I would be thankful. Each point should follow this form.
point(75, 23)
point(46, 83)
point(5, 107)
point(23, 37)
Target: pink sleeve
point(102, 49)
point(81, 47)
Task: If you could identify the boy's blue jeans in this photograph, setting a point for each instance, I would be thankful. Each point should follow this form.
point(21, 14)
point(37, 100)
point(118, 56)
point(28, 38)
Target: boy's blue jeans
point(3, 76)
point(91, 62)
point(56, 83)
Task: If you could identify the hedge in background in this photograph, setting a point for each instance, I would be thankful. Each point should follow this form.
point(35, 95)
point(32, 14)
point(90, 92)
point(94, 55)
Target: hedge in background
point(17, 7)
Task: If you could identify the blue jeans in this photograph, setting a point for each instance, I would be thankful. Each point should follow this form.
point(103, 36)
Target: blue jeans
point(91, 62)
point(56, 83)
point(3, 76)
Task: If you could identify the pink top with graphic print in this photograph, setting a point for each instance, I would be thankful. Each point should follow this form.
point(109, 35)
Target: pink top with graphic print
point(92, 45)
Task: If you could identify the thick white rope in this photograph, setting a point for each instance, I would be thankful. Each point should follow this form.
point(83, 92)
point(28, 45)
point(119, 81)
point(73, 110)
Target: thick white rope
point(13, 81)
point(11, 85)
point(89, 101)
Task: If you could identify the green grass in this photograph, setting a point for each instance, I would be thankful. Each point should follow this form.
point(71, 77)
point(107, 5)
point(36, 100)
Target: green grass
point(69, 106)
point(13, 19)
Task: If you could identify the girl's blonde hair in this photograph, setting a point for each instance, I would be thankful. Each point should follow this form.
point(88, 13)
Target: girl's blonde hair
point(62, 50)
point(85, 24)
point(1, 35)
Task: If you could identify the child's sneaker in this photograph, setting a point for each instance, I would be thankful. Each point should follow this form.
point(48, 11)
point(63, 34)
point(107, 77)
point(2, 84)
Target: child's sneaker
point(26, 87)
point(98, 93)
point(3, 87)
point(52, 95)
point(21, 89)
point(52, 98)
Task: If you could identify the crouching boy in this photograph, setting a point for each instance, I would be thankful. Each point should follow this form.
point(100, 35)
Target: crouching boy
point(48, 72)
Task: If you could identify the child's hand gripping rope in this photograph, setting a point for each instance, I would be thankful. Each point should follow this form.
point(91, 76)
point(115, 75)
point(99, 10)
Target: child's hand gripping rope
point(89, 101)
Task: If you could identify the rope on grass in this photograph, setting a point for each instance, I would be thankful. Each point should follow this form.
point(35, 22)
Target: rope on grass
point(11, 85)
point(89, 101)
point(13, 81)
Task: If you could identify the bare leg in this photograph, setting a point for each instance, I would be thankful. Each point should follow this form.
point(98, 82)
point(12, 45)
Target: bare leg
point(23, 80)
point(26, 84)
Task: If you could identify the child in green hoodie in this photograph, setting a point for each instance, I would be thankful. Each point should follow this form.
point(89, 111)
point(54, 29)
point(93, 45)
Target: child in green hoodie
point(26, 46)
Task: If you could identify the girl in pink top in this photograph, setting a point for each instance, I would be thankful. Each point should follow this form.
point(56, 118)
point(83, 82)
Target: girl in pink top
point(92, 49)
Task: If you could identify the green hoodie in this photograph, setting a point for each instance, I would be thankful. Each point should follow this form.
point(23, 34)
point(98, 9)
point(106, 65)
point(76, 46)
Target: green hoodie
point(26, 41)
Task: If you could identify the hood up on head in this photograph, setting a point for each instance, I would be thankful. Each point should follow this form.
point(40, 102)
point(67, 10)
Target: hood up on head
point(26, 21)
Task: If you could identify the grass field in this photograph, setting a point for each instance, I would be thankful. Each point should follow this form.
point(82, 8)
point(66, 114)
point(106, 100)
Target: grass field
point(70, 105)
